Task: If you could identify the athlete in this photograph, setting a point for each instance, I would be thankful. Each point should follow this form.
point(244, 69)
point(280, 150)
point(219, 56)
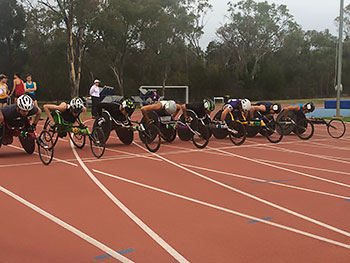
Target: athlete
point(15, 115)
point(3, 91)
point(70, 112)
point(238, 107)
point(265, 108)
point(202, 108)
point(119, 110)
point(299, 109)
point(162, 108)
point(30, 88)
point(18, 86)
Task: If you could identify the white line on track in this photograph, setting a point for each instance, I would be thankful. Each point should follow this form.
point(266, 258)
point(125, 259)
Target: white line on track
point(227, 210)
point(70, 228)
point(56, 159)
point(130, 214)
point(306, 218)
point(263, 180)
point(330, 146)
point(304, 167)
point(281, 168)
point(309, 154)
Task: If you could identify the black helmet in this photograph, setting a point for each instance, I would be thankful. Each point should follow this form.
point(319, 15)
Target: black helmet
point(128, 105)
point(310, 106)
point(276, 107)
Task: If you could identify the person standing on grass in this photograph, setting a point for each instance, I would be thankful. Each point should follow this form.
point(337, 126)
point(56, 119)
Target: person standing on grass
point(30, 88)
point(18, 86)
point(3, 91)
point(95, 97)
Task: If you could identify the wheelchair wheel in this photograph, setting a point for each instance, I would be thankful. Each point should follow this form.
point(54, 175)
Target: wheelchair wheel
point(27, 143)
point(45, 147)
point(237, 133)
point(273, 132)
point(287, 128)
point(77, 139)
point(125, 135)
point(304, 129)
point(207, 122)
point(218, 132)
point(168, 134)
point(151, 137)
point(52, 130)
point(252, 131)
point(97, 142)
point(182, 131)
point(336, 128)
point(201, 138)
point(105, 123)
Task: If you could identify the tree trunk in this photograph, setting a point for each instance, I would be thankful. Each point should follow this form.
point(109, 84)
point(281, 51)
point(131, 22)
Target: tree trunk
point(119, 79)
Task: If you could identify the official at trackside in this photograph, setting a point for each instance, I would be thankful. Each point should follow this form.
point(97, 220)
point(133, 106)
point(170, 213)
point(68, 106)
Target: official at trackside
point(95, 97)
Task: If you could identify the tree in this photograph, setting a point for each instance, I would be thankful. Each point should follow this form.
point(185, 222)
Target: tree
point(255, 30)
point(12, 25)
point(74, 17)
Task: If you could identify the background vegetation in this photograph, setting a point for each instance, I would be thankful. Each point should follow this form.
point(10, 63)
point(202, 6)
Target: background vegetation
point(260, 53)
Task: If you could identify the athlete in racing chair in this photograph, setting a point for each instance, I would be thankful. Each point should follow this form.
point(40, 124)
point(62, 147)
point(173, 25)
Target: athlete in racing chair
point(238, 107)
point(154, 113)
point(299, 109)
point(116, 115)
point(16, 116)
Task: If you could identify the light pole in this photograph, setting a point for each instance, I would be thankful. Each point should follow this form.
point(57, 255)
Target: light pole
point(340, 54)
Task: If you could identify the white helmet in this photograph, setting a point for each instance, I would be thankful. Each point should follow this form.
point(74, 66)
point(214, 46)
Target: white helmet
point(77, 105)
point(24, 102)
point(170, 107)
point(245, 104)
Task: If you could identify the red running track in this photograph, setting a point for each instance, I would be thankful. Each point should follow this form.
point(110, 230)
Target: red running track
point(181, 204)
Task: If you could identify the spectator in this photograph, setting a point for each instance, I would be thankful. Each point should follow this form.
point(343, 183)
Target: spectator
point(95, 97)
point(18, 86)
point(3, 90)
point(30, 88)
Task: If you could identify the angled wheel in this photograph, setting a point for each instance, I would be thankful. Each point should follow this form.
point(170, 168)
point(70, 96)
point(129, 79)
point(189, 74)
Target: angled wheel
point(201, 136)
point(125, 135)
point(27, 143)
point(52, 130)
point(97, 142)
point(273, 131)
point(105, 123)
point(304, 129)
point(182, 131)
point(336, 128)
point(219, 133)
point(287, 128)
point(45, 147)
point(77, 139)
point(151, 137)
point(237, 133)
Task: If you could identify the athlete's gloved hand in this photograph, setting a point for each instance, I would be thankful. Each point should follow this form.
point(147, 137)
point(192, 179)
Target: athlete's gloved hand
point(32, 127)
point(188, 119)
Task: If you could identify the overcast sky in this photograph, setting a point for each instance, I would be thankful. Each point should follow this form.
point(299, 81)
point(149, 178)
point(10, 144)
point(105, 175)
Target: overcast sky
point(310, 14)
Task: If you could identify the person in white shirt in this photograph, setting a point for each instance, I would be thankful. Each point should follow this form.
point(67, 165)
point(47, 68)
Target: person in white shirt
point(95, 97)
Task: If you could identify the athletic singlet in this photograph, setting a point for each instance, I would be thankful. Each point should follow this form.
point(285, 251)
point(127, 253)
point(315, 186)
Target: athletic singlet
point(301, 107)
point(267, 106)
point(162, 111)
point(232, 104)
point(20, 88)
point(30, 86)
point(3, 92)
point(68, 116)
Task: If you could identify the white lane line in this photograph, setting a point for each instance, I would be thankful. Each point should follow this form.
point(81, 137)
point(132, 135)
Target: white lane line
point(68, 227)
point(282, 168)
point(227, 210)
point(54, 158)
point(305, 167)
point(330, 146)
point(130, 214)
point(261, 180)
point(309, 154)
point(132, 154)
point(306, 218)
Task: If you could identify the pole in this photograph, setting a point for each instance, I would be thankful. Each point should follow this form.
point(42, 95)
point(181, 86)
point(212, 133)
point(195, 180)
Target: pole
point(340, 54)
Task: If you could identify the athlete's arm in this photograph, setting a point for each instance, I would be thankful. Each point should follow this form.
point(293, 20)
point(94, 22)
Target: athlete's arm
point(148, 108)
point(178, 108)
point(51, 107)
point(37, 116)
point(184, 110)
point(224, 113)
point(285, 112)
